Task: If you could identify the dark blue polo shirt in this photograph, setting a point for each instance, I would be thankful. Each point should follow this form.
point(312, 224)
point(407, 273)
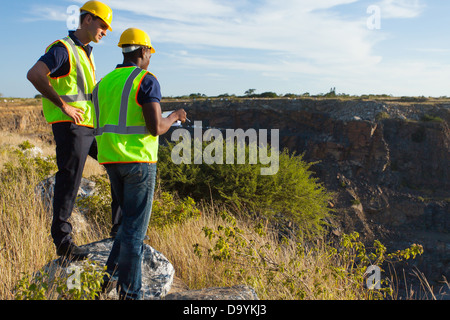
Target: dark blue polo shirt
point(150, 90)
point(57, 58)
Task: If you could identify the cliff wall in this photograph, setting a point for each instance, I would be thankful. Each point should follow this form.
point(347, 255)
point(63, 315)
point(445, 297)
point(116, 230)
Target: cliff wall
point(387, 162)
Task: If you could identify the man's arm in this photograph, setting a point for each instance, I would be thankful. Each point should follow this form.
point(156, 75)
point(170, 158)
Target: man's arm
point(38, 76)
point(156, 124)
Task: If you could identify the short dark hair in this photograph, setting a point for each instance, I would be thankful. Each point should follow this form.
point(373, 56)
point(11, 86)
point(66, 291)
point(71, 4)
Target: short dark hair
point(84, 14)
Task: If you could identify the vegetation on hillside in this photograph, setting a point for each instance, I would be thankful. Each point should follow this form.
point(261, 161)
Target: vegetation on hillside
point(331, 94)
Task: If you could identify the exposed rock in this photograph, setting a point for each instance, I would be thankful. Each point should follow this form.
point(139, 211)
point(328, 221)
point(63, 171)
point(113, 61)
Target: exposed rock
point(26, 116)
point(33, 152)
point(157, 271)
point(388, 163)
point(157, 277)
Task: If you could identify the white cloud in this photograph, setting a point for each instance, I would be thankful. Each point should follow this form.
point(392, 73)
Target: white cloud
point(291, 27)
point(400, 8)
point(47, 13)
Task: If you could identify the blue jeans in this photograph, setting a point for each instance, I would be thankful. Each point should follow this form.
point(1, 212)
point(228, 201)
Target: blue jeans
point(134, 185)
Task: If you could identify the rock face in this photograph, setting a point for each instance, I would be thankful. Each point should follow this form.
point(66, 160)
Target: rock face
point(45, 190)
point(387, 163)
point(22, 115)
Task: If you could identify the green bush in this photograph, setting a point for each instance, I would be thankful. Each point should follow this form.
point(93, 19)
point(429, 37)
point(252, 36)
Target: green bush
point(167, 210)
point(290, 195)
point(98, 206)
point(427, 118)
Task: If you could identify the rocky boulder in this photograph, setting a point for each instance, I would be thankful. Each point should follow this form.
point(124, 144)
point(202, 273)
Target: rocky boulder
point(157, 271)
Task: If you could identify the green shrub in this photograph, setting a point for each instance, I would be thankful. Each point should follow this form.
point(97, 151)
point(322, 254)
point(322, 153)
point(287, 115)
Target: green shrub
point(167, 210)
point(97, 207)
point(427, 117)
point(26, 145)
point(290, 195)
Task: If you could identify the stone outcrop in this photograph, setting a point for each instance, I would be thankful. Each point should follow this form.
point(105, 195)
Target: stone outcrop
point(45, 190)
point(22, 116)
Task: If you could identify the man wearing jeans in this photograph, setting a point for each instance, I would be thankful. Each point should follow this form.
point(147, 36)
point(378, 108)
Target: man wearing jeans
point(127, 124)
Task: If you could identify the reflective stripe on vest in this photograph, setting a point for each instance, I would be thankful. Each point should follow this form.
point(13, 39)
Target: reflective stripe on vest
point(122, 127)
point(81, 96)
point(119, 124)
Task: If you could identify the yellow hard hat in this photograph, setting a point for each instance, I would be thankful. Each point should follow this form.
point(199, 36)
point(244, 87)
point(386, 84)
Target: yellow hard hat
point(100, 10)
point(137, 37)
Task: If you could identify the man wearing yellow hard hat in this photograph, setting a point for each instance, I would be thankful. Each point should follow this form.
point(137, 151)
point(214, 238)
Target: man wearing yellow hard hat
point(65, 76)
point(127, 124)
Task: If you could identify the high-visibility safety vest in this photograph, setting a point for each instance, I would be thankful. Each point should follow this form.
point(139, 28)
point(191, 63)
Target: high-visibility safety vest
point(120, 130)
point(75, 87)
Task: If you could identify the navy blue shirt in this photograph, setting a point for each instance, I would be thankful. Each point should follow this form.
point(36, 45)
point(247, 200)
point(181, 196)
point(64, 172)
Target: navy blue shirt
point(57, 57)
point(150, 90)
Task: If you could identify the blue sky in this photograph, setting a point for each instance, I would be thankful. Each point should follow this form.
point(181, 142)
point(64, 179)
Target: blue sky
point(229, 46)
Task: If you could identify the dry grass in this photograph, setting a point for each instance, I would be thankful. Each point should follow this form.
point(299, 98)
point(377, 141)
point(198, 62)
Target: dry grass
point(25, 241)
point(25, 244)
point(202, 272)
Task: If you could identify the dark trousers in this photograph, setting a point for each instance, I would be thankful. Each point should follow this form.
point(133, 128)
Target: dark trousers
point(73, 144)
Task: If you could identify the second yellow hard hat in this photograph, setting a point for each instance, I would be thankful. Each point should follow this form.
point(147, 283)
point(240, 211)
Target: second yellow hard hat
point(137, 37)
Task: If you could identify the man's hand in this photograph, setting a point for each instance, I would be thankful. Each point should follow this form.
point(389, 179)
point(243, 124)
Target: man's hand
point(75, 113)
point(181, 114)
point(156, 124)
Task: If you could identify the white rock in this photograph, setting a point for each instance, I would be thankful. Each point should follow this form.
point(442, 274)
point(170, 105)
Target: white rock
point(33, 152)
point(157, 271)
